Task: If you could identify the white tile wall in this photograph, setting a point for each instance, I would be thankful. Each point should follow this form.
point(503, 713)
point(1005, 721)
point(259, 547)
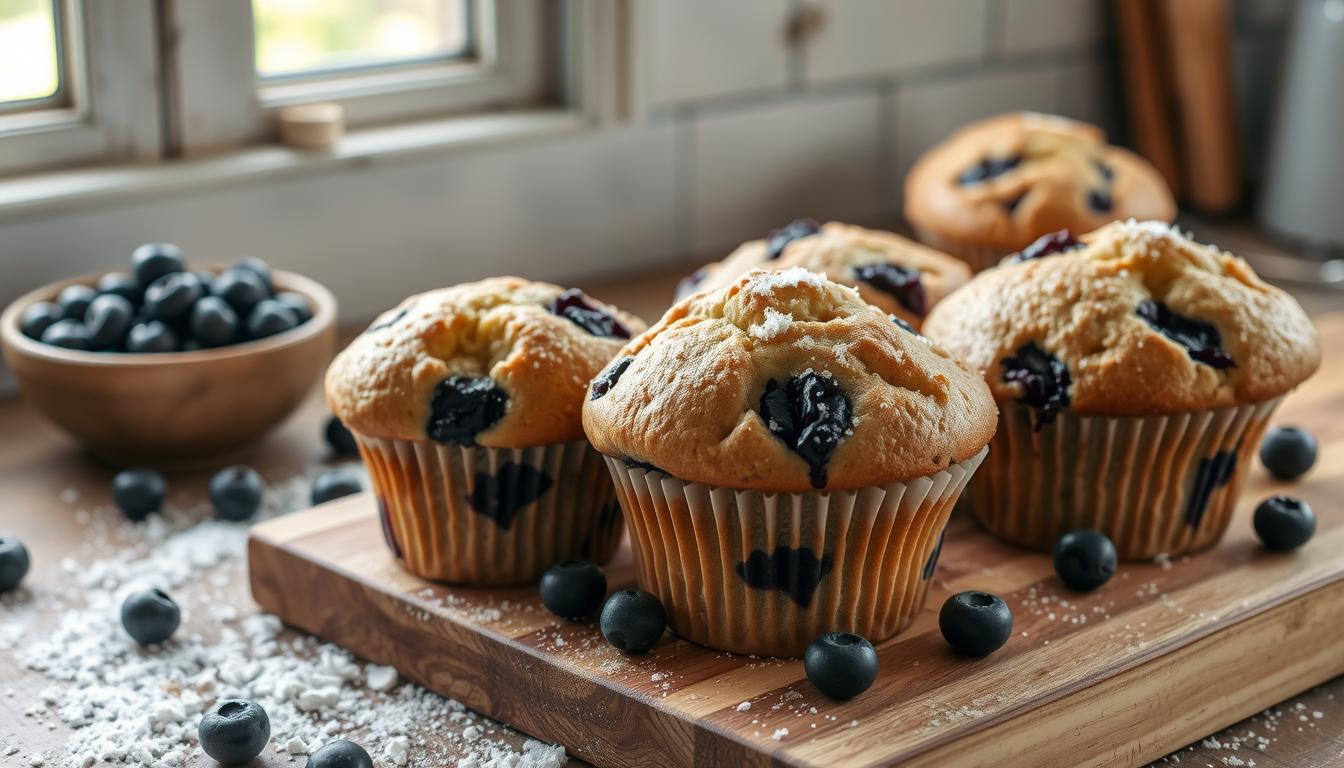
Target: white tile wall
point(862, 38)
point(1042, 25)
point(926, 113)
point(757, 168)
point(700, 49)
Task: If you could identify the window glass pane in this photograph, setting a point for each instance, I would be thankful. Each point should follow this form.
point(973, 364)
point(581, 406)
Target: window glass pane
point(28, 51)
point(307, 36)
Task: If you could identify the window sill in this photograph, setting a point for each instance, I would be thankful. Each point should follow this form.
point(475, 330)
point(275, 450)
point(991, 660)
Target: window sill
point(51, 191)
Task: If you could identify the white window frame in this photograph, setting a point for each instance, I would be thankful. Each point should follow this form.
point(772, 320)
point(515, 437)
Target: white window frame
point(221, 103)
point(97, 117)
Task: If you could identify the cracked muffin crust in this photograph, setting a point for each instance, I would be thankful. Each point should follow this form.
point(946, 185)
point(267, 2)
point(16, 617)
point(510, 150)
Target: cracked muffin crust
point(1132, 319)
point(893, 273)
point(786, 381)
point(502, 363)
point(997, 185)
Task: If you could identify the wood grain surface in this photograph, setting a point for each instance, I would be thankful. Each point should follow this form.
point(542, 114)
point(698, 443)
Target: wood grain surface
point(1161, 655)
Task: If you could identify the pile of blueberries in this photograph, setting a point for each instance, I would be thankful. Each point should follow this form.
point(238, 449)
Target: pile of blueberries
point(162, 306)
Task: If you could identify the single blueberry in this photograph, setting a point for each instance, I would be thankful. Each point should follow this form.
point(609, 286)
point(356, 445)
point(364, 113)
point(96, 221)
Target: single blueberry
point(234, 731)
point(150, 616)
point(464, 407)
point(574, 306)
point(573, 589)
point(975, 623)
point(259, 268)
point(297, 302)
point(14, 563)
point(213, 322)
point(108, 319)
point(511, 489)
point(608, 378)
point(633, 621)
point(340, 754)
point(151, 338)
point(1044, 379)
point(37, 318)
point(1062, 241)
point(123, 285)
point(811, 414)
point(1212, 473)
point(68, 334)
point(340, 439)
point(779, 239)
point(1106, 171)
point(1084, 559)
point(236, 492)
point(171, 297)
point(1288, 452)
point(1201, 340)
point(1284, 523)
point(74, 301)
point(152, 261)
point(988, 168)
point(841, 664)
point(795, 572)
point(901, 282)
point(270, 317)
point(138, 492)
point(242, 288)
point(1099, 200)
point(333, 484)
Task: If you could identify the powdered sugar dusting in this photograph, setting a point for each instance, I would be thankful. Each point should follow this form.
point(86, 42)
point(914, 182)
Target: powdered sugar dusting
point(775, 323)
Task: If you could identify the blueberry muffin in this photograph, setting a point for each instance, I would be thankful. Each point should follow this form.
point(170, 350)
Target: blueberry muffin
point(786, 456)
point(899, 276)
point(465, 403)
point(997, 185)
point(1135, 371)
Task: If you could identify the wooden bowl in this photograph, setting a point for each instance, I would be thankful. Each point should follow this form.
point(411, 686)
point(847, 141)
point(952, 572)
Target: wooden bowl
point(175, 408)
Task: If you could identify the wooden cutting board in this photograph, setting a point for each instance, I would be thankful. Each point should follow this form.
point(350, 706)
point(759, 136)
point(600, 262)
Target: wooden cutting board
point(1160, 657)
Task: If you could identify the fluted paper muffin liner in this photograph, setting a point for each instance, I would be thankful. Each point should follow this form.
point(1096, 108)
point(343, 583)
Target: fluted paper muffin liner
point(1153, 484)
point(979, 257)
point(491, 516)
point(766, 573)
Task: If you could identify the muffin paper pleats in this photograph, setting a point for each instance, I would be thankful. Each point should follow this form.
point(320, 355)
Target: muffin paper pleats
point(766, 573)
point(1153, 484)
point(491, 516)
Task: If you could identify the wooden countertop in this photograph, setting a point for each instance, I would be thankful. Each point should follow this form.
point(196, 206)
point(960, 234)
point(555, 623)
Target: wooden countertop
point(57, 500)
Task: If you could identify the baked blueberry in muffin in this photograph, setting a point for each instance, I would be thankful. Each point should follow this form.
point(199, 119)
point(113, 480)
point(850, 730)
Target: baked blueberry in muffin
point(898, 275)
point(1135, 372)
point(465, 403)
point(995, 186)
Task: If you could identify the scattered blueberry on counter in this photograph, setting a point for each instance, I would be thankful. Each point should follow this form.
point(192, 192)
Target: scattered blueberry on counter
point(236, 493)
point(150, 616)
point(1288, 452)
point(573, 589)
point(138, 492)
point(841, 664)
point(1084, 559)
point(164, 307)
point(234, 731)
point(340, 439)
point(975, 623)
point(14, 563)
point(1284, 523)
point(633, 620)
point(340, 754)
point(333, 484)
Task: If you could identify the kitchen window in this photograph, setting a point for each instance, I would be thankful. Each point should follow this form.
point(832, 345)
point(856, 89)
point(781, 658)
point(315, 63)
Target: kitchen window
point(90, 80)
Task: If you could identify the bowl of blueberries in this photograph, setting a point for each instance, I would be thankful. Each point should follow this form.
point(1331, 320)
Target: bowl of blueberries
point(170, 363)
